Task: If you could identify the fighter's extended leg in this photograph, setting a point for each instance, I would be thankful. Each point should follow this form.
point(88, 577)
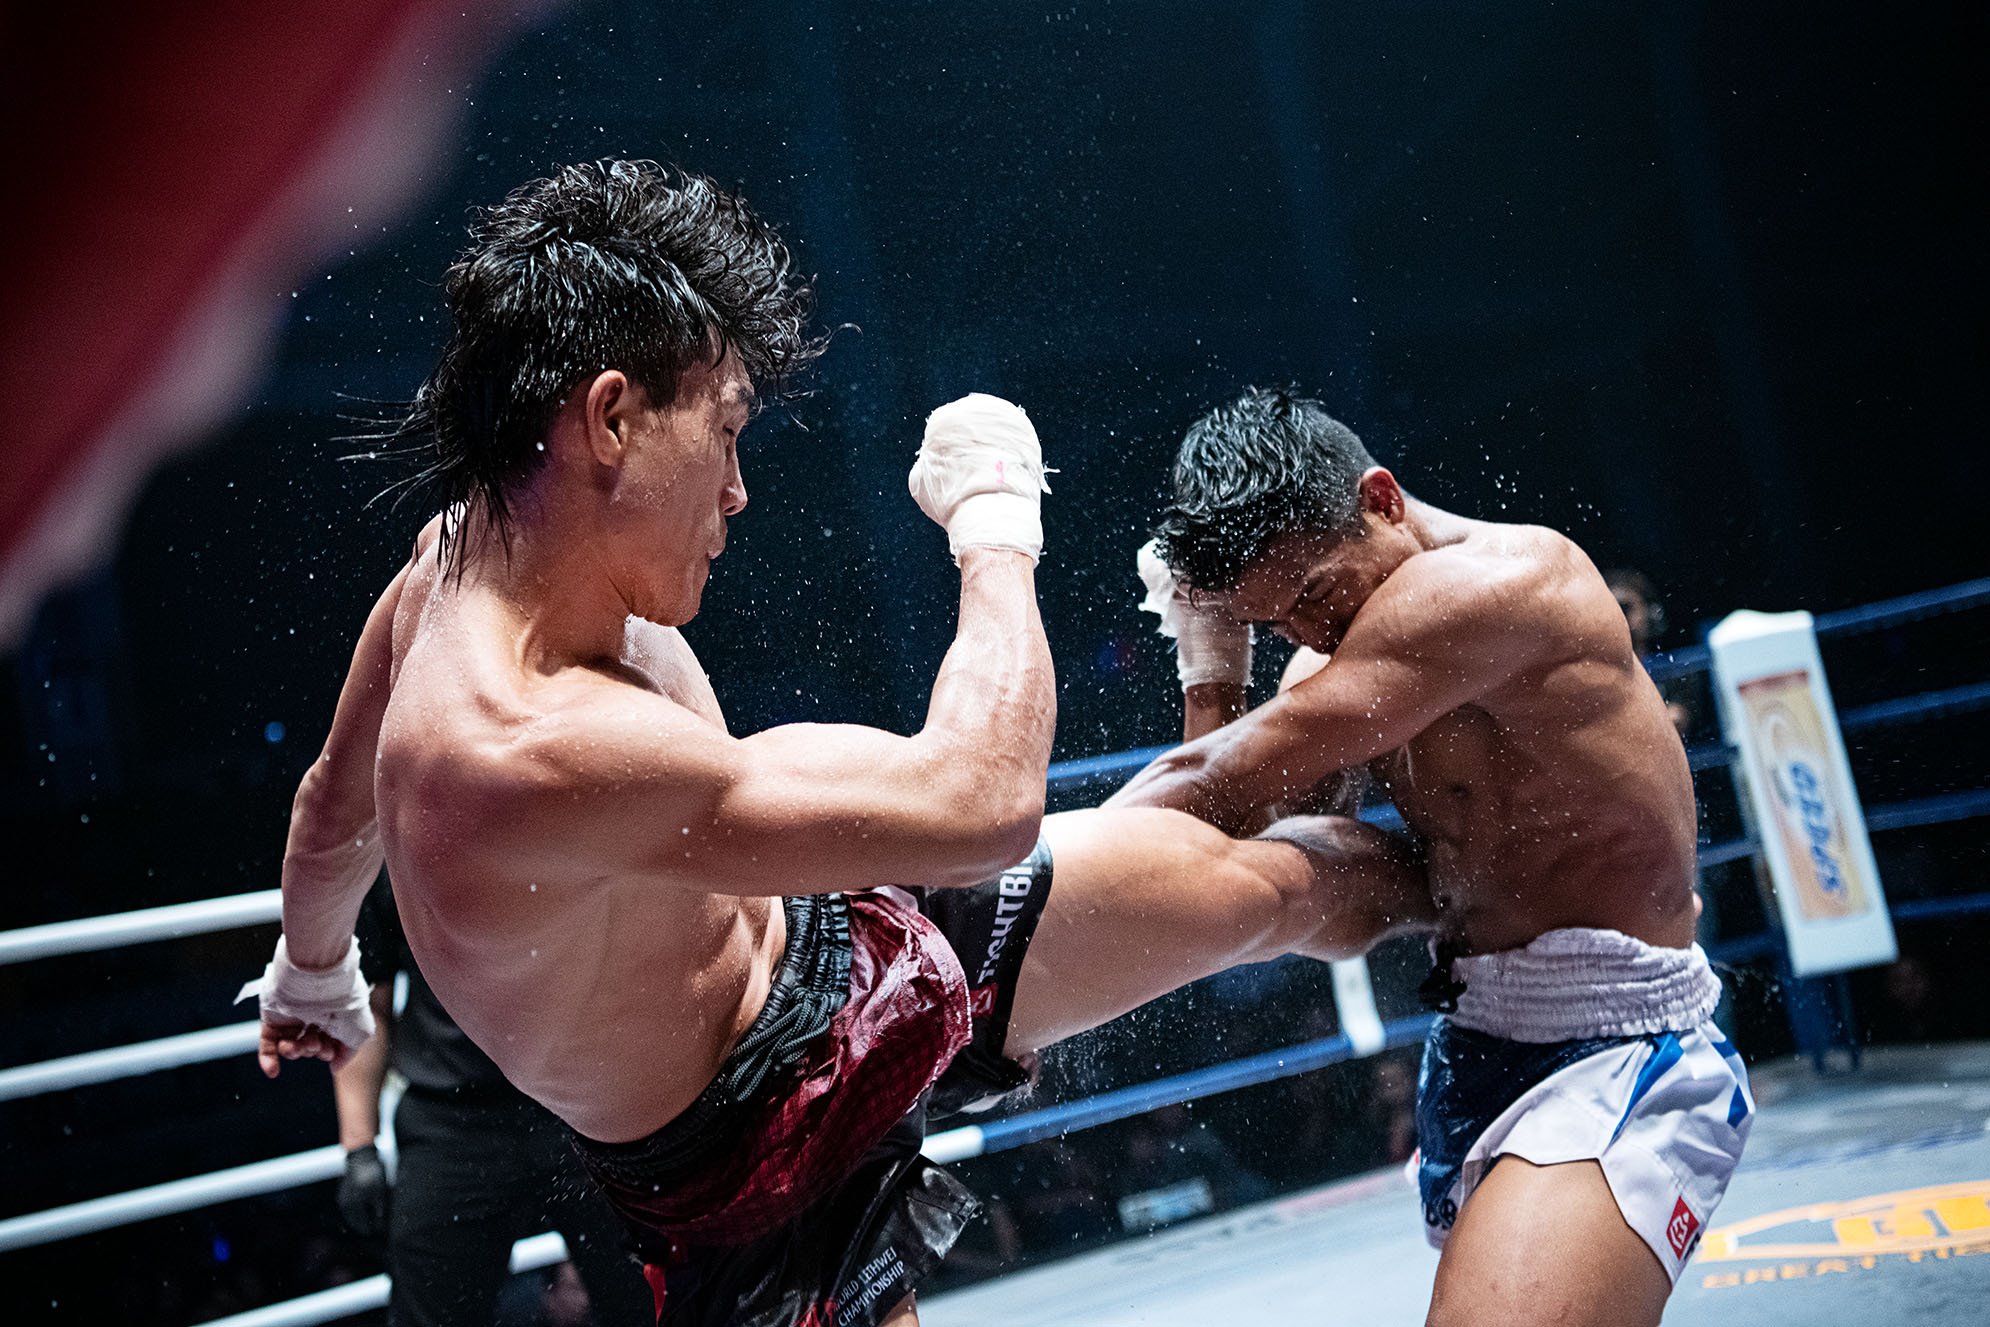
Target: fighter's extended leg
point(1146, 900)
point(1537, 1244)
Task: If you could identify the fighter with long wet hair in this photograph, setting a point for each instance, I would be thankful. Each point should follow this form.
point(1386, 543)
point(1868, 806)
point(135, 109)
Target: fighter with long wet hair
point(1579, 1113)
point(741, 969)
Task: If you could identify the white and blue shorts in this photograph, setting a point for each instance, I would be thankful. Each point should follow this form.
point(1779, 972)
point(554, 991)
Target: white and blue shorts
point(1665, 1114)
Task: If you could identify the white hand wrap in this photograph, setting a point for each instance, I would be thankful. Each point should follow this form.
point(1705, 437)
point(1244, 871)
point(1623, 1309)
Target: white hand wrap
point(1210, 645)
point(980, 473)
point(335, 1001)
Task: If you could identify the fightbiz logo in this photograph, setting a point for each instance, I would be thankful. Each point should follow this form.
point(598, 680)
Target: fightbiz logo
point(1013, 895)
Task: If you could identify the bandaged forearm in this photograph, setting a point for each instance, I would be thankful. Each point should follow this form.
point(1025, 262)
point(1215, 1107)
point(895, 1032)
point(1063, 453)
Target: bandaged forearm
point(1210, 648)
point(336, 1000)
point(1210, 645)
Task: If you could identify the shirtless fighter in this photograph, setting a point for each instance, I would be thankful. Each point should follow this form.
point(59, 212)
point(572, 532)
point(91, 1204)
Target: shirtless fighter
point(691, 946)
point(1484, 675)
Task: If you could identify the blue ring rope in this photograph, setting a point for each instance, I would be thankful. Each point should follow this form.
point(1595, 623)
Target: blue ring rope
point(1927, 705)
point(1845, 622)
point(1252, 1070)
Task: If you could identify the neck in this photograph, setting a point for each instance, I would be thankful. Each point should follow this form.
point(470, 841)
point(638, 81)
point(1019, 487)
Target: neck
point(553, 582)
point(1434, 527)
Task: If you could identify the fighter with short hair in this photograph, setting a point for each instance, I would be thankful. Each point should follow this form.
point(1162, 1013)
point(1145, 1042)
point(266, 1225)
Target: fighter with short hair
point(1579, 1112)
point(692, 947)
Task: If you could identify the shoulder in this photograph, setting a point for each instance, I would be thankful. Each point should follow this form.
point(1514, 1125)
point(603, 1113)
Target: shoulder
point(593, 726)
point(1489, 577)
point(1526, 569)
point(1540, 580)
point(1527, 588)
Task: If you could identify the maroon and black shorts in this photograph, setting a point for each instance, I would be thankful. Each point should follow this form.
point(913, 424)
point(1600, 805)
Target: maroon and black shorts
point(793, 1191)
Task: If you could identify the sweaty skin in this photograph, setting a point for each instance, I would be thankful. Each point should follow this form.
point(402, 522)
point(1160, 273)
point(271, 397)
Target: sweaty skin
point(1484, 675)
point(587, 864)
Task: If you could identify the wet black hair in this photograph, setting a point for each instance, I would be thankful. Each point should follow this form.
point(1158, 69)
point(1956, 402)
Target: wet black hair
point(613, 264)
point(1267, 464)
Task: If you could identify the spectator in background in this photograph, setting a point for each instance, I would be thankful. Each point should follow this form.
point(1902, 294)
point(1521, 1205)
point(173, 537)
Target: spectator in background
point(480, 1165)
point(1644, 613)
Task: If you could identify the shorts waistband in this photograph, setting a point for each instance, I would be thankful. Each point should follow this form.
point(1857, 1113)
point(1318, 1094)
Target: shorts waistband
point(810, 986)
point(1577, 983)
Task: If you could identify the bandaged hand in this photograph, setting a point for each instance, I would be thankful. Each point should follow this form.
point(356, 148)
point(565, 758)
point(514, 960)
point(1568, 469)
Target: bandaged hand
point(980, 475)
point(324, 1014)
point(1210, 645)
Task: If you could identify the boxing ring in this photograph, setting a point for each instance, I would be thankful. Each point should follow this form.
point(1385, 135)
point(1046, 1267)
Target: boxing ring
point(1861, 1194)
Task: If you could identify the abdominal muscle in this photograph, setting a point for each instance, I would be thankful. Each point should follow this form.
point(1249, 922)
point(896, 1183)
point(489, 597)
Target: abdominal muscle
point(1526, 836)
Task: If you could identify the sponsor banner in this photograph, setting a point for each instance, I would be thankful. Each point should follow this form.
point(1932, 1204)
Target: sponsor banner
point(1796, 789)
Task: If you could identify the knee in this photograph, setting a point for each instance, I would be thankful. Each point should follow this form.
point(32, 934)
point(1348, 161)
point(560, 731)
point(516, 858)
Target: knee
point(1341, 888)
point(1289, 902)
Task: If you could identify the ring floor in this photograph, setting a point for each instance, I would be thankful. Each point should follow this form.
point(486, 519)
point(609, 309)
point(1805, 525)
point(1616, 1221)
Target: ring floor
point(1863, 1198)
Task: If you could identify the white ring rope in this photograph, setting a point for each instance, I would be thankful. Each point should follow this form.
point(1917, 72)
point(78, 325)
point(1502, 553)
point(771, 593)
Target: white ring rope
point(30, 1080)
point(120, 1209)
point(135, 928)
point(528, 1255)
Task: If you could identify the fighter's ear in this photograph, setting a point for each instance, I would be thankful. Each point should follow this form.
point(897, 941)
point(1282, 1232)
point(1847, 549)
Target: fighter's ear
point(1381, 494)
point(605, 409)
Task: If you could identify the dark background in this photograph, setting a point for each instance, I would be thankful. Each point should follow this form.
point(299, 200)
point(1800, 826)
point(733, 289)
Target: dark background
point(1700, 285)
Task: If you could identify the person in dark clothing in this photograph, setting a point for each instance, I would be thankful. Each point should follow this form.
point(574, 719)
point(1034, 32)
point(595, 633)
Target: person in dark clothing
point(480, 1164)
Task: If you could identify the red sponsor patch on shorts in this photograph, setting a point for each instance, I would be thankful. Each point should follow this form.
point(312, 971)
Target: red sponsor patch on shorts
point(1680, 1229)
point(981, 1000)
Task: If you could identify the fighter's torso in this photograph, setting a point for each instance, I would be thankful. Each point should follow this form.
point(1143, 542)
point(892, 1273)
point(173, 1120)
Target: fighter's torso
point(611, 999)
point(1561, 798)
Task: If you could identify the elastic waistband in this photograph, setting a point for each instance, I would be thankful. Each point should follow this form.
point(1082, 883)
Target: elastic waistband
point(810, 986)
point(1575, 983)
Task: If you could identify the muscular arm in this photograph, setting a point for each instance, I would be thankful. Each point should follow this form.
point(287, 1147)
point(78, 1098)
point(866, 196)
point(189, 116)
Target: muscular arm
point(806, 808)
point(334, 852)
point(1443, 631)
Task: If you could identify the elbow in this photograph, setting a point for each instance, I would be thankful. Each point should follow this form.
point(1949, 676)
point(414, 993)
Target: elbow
point(1014, 834)
point(1163, 781)
point(325, 818)
point(995, 836)
point(312, 806)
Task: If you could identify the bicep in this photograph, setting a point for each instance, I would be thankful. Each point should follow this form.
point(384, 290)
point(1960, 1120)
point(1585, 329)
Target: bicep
point(817, 807)
point(1371, 698)
point(1341, 717)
